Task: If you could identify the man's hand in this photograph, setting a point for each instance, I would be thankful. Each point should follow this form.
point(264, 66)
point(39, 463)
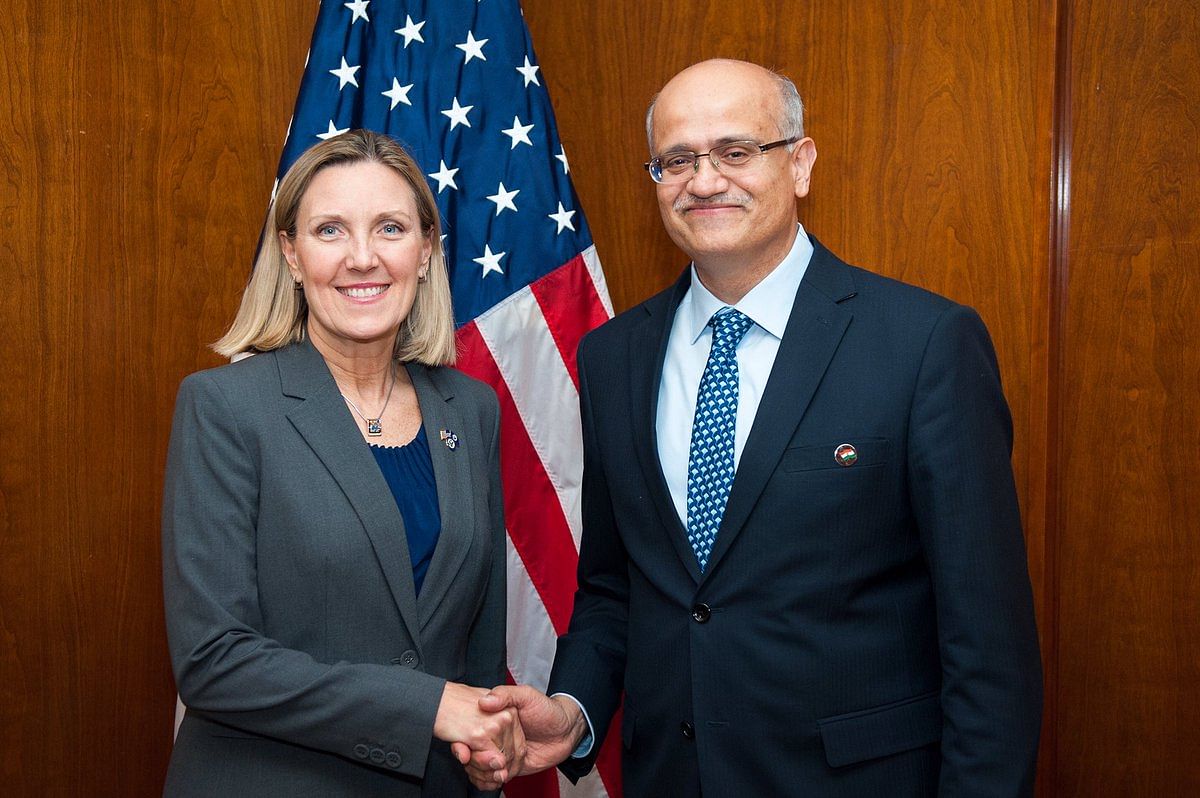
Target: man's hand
point(487, 742)
point(552, 730)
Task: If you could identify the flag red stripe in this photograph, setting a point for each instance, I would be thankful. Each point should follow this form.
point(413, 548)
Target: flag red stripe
point(568, 299)
point(532, 510)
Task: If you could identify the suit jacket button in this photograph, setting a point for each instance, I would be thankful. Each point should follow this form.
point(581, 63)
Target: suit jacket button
point(701, 613)
point(361, 751)
point(409, 659)
point(687, 730)
point(377, 756)
point(392, 760)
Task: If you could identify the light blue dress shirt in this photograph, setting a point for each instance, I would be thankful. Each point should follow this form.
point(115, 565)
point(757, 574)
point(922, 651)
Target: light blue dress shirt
point(769, 305)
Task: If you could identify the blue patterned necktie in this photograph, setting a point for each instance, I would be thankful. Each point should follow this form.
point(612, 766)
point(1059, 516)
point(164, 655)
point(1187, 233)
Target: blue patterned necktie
point(710, 459)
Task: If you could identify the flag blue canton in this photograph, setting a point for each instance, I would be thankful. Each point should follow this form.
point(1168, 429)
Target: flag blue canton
point(457, 82)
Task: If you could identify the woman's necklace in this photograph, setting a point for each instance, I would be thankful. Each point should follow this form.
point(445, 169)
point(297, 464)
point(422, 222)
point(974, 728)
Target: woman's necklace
point(374, 425)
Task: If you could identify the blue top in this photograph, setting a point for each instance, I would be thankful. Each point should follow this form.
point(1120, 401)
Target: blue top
point(408, 470)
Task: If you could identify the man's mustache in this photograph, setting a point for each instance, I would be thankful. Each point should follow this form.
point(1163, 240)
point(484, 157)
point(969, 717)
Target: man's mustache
point(688, 202)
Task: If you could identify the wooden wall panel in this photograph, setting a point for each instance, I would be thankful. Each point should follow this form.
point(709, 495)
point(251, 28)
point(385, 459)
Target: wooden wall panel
point(138, 145)
point(1129, 556)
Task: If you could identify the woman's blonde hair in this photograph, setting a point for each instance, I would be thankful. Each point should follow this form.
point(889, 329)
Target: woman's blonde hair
point(273, 313)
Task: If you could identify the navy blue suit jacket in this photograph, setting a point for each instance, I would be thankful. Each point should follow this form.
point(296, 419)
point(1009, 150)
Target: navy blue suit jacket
point(860, 630)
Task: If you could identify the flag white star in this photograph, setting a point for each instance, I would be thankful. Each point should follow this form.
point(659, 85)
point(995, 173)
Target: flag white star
point(359, 8)
point(333, 131)
point(445, 177)
point(563, 218)
point(397, 94)
point(562, 156)
point(504, 199)
point(411, 31)
point(490, 261)
point(345, 74)
point(473, 48)
point(518, 133)
point(529, 71)
point(458, 114)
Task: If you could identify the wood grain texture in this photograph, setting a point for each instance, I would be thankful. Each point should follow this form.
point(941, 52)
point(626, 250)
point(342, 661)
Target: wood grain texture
point(1129, 556)
point(137, 152)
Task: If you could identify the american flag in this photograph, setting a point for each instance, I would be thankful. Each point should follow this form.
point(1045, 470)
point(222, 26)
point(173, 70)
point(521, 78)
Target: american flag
point(458, 83)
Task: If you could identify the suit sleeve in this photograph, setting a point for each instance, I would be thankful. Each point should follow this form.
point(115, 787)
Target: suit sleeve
point(963, 495)
point(225, 667)
point(589, 663)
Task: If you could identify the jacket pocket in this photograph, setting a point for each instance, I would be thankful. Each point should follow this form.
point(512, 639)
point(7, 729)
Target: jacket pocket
point(868, 452)
point(883, 730)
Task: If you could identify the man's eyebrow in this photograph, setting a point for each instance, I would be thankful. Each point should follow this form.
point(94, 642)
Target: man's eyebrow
point(717, 143)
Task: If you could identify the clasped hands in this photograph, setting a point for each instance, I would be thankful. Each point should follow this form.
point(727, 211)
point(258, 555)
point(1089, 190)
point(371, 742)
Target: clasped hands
point(507, 731)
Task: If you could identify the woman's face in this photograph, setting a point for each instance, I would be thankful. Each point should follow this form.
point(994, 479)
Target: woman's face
point(359, 251)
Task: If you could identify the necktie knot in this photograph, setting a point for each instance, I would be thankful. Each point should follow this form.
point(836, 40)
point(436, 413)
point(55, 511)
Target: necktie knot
point(728, 326)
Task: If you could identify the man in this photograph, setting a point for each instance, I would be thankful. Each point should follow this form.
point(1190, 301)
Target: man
point(802, 559)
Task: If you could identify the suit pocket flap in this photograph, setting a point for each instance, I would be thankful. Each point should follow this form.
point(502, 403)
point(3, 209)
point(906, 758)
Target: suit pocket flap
point(880, 731)
point(866, 452)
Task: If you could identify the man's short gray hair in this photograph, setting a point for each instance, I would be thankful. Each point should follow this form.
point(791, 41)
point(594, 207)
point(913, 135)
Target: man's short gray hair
point(791, 125)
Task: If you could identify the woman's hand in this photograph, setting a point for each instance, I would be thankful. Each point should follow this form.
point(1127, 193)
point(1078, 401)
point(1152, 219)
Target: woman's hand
point(490, 744)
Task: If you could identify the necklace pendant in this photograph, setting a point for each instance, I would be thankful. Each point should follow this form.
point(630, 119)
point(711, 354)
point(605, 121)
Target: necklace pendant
point(374, 427)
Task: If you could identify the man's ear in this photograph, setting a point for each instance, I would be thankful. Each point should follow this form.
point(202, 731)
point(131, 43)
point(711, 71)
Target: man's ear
point(803, 155)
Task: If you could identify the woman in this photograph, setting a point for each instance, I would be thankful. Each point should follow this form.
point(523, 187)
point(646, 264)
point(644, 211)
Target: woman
point(333, 537)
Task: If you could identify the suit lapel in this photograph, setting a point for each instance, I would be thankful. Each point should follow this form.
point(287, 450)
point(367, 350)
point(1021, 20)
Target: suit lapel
point(326, 425)
point(452, 473)
point(814, 330)
point(646, 364)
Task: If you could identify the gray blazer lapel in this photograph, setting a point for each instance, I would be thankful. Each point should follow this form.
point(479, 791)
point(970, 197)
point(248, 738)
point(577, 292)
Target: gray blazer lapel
point(325, 423)
point(452, 472)
point(645, 366)
point(814, 331)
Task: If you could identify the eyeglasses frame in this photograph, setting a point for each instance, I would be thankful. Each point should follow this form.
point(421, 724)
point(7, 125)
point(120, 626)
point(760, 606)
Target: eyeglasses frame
point(763, 149)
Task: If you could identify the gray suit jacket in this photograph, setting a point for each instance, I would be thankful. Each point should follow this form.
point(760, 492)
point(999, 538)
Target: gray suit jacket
point(308, 664)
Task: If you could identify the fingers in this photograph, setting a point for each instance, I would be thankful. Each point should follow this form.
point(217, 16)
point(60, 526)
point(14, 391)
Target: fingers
point(484, 780)
point(498, 698)
point(502, 732)
point(516, 758)
point(489, 740)
point(499, 758)
point(461, 752)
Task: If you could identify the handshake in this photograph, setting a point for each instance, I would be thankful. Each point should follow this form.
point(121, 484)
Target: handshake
point(507, 731)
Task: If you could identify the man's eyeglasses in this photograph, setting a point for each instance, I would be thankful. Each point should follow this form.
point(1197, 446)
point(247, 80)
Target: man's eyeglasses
point(678, 167)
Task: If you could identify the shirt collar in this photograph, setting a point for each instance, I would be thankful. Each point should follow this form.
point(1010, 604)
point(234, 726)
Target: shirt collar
point(768, 304)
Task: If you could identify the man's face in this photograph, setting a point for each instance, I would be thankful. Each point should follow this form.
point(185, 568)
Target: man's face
point(744, 219)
